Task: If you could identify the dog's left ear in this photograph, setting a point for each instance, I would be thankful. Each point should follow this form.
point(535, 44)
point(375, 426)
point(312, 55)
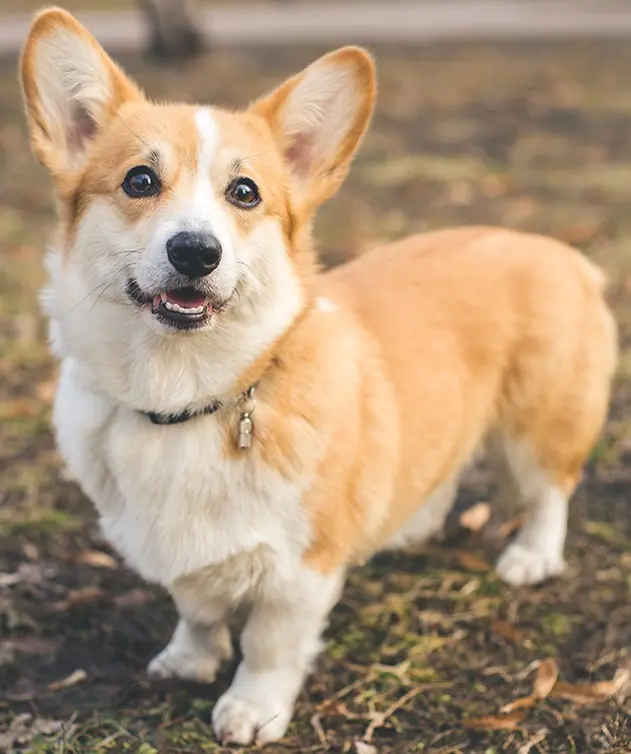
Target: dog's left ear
point(319, 117)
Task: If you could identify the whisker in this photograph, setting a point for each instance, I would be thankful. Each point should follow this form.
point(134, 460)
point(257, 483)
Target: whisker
point(98, 298)
point(101, 287)
point(127, 253)
point(87, 295)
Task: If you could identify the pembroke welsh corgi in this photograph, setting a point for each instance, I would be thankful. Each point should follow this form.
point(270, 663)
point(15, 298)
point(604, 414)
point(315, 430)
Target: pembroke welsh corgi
point(247, 426)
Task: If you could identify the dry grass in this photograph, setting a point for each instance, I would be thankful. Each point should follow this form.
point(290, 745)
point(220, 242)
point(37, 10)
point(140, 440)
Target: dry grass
point(531, 136)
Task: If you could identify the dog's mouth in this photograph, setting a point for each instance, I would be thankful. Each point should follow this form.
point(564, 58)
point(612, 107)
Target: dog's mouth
point(184, 308)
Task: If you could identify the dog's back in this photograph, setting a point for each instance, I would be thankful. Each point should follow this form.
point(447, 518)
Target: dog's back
point(485, 329)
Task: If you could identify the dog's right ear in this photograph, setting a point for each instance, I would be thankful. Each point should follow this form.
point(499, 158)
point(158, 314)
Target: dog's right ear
point(71, 89)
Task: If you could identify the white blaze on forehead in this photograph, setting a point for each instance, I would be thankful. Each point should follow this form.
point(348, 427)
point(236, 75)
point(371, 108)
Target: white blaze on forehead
point(209, 139)
point(206, 205)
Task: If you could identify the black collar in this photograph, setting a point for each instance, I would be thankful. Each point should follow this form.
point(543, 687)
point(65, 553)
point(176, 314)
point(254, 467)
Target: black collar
point(182, 416)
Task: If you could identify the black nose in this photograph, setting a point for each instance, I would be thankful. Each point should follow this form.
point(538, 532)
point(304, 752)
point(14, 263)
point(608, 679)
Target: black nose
point(194, 254)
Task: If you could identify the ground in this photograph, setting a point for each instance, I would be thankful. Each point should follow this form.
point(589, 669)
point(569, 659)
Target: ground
point(533, 136)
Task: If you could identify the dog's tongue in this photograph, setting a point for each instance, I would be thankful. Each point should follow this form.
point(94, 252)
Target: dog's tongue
point(186, 297)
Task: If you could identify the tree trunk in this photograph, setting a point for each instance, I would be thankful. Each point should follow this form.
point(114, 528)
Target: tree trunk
point(174, 28)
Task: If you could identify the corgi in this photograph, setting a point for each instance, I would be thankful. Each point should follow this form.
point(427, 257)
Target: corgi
point(247, 426)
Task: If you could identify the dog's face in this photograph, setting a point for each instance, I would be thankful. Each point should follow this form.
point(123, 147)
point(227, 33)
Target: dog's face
point(186, 209)
point(185, 214)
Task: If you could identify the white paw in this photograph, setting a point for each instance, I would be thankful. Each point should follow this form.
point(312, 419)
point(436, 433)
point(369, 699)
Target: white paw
point(181, 662)
point(519, 565)
point(243, 722)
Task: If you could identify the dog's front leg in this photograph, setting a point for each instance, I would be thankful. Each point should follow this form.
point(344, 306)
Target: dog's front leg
point(201, 640)
point(195, 652)
point(279, 642)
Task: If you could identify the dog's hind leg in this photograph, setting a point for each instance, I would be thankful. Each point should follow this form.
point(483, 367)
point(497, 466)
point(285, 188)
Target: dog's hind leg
point(537, 551)
point(553, 409)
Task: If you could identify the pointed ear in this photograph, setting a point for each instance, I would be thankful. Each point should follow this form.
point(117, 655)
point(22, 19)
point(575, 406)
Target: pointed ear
point(319, 117)
point(71, 89)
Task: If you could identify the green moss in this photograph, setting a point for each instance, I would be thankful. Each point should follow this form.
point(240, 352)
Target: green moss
point(42, 521)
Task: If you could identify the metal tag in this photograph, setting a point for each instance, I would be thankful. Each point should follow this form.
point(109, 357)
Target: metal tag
point(245, 432)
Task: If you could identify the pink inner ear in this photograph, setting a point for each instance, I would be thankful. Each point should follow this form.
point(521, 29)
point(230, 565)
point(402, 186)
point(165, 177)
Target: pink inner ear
point(82, 129)
point(299, 155)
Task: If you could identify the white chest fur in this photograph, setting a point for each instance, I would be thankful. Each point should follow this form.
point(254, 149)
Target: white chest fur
point(169, 499)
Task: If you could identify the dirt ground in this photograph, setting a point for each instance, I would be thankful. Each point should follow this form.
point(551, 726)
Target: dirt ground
point(534, 136)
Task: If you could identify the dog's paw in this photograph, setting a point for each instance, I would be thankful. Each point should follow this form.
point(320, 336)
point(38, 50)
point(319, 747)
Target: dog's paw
point(519, 565)
point(180, 662)
point(237, 721)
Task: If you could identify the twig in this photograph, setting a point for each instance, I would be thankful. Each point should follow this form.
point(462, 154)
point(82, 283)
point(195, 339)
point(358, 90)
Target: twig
point(379, 718)
point(317, 726)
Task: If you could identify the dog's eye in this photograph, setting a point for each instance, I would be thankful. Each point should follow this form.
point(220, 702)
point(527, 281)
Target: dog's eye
point(141, 181)
point(243, 192)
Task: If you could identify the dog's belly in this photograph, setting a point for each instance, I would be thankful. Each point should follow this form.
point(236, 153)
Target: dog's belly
point(170, 501)
point(429, 518)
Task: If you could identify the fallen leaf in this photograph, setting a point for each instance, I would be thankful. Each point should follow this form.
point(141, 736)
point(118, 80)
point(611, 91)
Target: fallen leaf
point(622, 682)
point(361, 747)
point(523, 702)
point(546, 678)
point(30, 550)
point(45, 391)
point(77, 676)
point(495, 722)
point(510, 527)
point(506, 631)
point(585, 693)
point(9, 579)
point(24, 728)
point(472, 562)
point(133, 597)
point(96, 559)
point(82, 596)
point(35, 645)
point(34, 574)
point(476, 517)
point(578, 234)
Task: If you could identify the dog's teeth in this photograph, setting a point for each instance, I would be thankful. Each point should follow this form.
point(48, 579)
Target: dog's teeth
point(163, 297)
point(183, 309)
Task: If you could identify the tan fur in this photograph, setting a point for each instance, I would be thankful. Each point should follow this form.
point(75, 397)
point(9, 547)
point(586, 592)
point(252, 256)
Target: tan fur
point(479, 328)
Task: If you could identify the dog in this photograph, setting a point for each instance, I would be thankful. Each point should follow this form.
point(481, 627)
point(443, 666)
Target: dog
point(248, 426)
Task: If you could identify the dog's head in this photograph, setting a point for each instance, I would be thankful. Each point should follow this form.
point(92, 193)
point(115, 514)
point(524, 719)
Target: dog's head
point(189, 217)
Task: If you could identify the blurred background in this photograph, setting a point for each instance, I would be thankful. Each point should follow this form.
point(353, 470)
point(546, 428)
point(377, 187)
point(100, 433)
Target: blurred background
point(511, 112)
